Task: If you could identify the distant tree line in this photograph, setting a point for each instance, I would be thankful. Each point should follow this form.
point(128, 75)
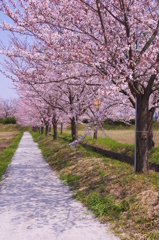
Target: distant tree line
point(8, 111)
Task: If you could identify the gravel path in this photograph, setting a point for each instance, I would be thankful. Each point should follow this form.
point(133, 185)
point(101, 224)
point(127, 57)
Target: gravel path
point(35, 205)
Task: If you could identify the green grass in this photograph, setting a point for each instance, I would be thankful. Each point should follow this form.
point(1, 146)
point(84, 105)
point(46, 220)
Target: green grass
point(156, 125)
point(102, 206)
point(107, 187)
point(7, 154)
point(80, 127)
point(70, 179)
point(154, 155)
point(112, 145)
point(109, 125)
point(115, 126)
point(127, 149)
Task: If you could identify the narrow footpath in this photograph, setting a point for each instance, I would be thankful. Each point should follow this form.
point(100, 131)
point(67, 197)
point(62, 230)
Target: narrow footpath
point(35, 205)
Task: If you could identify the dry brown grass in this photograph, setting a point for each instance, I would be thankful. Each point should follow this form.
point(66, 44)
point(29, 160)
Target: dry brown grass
point(8, 135)
point(126, 136)
point(122, 136)
point(156, 138)
point(4, 144)
point(5, 139)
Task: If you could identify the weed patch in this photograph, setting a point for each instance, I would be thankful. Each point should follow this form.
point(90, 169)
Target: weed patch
point(70, 179)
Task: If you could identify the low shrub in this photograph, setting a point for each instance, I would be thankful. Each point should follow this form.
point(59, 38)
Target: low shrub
point(85, 120)
point(132, 121)
point(1, 120)
point(9, 120)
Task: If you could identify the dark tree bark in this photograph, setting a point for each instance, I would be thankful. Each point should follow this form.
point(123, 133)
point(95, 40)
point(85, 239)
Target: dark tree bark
point(151, 143)
point(95, 133)
point(74, 120)
point(55, 130)
point(54, 123)
point(142, 133)
point(47, 129)
point(74, 128)
point(35, 128)
point(144, 123)
point(42, 129)
point(61, 128)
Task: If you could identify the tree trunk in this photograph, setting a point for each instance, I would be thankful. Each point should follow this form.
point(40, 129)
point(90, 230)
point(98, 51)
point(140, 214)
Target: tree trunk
point(55, 130)
point(95, 132)
point(61, 128)
point(42, 129)
point(142, 134)
point(151, 143)
point(47, 128)
point(74, 129)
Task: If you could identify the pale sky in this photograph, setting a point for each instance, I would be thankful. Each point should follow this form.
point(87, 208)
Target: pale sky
point(6, 87)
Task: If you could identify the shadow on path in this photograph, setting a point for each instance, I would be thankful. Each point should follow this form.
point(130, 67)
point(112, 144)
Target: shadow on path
point(34, 204)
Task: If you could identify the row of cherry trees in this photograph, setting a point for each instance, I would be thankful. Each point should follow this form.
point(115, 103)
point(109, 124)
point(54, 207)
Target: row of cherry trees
point(44, 93)
point(77, 47)
point(62, 102)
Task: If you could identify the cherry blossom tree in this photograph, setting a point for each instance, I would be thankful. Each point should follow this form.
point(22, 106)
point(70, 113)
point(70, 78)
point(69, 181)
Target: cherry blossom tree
point(72, 95)
point(115, 40)
point(106, 105)
point(8, 107)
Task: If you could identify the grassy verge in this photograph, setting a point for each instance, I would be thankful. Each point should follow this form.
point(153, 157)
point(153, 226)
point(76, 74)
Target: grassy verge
point(112, 145)
point(7, 154)
point(119, 141)
point(107, 187)
point(127, 149)
point(154, 155)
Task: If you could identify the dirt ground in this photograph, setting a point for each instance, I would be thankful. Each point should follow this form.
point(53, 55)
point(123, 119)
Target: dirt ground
point(7, 135)
point(5, 138)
